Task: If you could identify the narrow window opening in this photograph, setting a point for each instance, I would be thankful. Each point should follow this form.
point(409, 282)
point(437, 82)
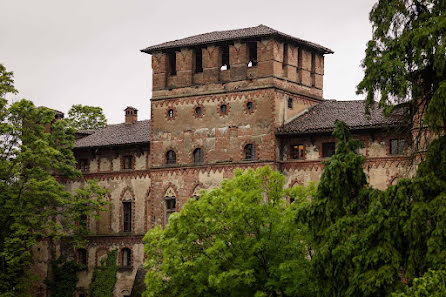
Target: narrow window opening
point(170, 207)
point(127, 213)
point(290, 102)
point(198, 156)
point(285, 55)
point(223, 109)
point(225, 58)
point(172, 63)
point(170, 113)
point(198, 111)
point(397, 146)
point(82, 256)
point(83, 165)
point(171, 157)
point(250, 152)
point(328, 149)
point(198, 60)
point(126, 259)
point(252, 54)
point(127, 162)
point(297, 152)
point(249, 106)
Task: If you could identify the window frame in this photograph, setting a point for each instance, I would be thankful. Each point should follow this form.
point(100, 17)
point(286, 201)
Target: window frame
point(82, 255)
point(252, 53)
point(171, 161)
point(201, 155)
point(225, 57)
point(253, 153)
point(171, 205)
point(127, 162)
point(127, 253)
point(325, 149)
point(300, 151)
point(127, 213)
point(290, 103)
point(198, 56)
point(172, 61)
point(400, 146)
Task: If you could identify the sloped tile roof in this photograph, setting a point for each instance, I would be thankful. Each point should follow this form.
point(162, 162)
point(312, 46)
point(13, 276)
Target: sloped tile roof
point(219, 36)
point(321, 118)
point(117, 134)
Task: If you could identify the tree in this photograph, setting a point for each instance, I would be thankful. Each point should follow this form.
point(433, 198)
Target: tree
point(35, 154)
point(406, 59)
point(84, 117)
point(431, 284)
point(368, 242)
point(239, 239)
point(104, 276)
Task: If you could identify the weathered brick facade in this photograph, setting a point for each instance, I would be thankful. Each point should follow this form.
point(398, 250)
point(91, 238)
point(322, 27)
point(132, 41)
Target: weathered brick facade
point(271, 80)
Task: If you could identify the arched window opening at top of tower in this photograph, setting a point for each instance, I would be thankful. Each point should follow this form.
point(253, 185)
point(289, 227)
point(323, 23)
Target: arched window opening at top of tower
point(225, 58)
point(252, 54)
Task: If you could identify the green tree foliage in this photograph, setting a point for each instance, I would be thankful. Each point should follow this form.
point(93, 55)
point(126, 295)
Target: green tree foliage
point(35, 153)
point(65, 277)
point(104, 276)
point(368, 242)
point(239, 239)
point(84, 117)
point(431, 284)
point(406, 59)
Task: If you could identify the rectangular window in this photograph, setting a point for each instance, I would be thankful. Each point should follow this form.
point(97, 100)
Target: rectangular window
point(328, 149)
point(396, 146)
point(170, 206)
point(252, 54)
point(83, 165)
point(172, 63)
point(225, 57)
point(285, 55)
point(299, 65)
point(297, 152)
point(198, 61)
point(127, 216)
point(127, 162)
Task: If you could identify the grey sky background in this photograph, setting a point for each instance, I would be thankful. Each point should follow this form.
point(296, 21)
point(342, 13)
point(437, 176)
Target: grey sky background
point(87, 52)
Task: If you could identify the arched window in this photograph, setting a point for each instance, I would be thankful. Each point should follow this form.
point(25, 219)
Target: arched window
point(223, 109)
point(126, 257)
point(250, 152)
point(82, 256)
point(198, 111)
point(171, 157)
point(170, 113)
point(171, 202)
point(198, 156)
point(127, 216)
point(249, 106)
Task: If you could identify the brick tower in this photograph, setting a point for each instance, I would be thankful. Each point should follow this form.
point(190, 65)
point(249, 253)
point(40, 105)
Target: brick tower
point(217, 101)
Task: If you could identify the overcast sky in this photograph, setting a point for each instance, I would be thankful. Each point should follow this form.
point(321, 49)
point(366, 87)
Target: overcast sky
point(87, 51)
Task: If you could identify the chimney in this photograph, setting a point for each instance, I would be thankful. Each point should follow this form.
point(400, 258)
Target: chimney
point(131, 115)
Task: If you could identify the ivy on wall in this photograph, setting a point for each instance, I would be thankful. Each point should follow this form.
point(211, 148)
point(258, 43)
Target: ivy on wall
point(104, 276)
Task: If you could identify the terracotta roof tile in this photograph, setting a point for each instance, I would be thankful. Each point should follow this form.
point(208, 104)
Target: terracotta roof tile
point(219, 36)
point(321, 118)
point(117, 134)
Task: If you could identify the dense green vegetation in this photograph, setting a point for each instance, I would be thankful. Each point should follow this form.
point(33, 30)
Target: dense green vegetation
point(35, 153)
point(84, 117)
point(64, 280)
point(104, 276)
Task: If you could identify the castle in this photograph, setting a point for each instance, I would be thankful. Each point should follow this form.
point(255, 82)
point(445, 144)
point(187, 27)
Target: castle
point(222, 100)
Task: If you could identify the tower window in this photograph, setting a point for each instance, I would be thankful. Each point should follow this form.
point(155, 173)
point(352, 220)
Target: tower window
point(297, 151)
point(170, 113)
point(198, 60)
point(198, 156)
point(250, 152)
point(249, 106)
point(127, 216)
point(225, 57)
point(170, 207)
point(290, 102)
point(396, 146)
point(223, 109)
point(82, 256)
point(299, 65)
point(126, 257)
point(328, 149)
point(252, 54)
point(198, 111)
point(172, 63)
point(313, 69)
point(127, 162)
point(171, 157)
